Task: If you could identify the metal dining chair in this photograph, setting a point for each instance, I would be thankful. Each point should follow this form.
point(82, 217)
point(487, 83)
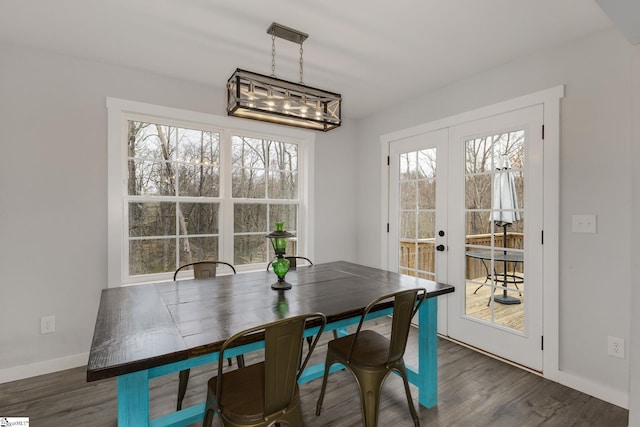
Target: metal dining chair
point(201, 270)
point(371, 356)
point(266, 392)
point(293, 262)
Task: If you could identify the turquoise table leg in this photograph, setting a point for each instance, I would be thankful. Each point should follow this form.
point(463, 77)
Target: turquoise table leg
point(428, 353)
point(133, 399)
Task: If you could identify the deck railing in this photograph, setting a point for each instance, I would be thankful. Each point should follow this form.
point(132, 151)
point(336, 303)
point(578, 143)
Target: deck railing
point(425, 250)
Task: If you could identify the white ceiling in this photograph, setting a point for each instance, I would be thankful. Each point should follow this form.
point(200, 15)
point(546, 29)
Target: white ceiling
point(373, 52)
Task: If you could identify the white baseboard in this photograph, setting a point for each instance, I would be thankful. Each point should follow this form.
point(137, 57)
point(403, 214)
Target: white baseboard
point(40, 368)
point(592, 388)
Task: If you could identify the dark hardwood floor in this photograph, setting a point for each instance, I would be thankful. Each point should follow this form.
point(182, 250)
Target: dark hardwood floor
point(474, 391)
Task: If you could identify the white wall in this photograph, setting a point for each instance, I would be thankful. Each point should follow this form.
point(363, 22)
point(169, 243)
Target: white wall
point(634, 348)
point(53, 192)
point(53, 197)
point(595, 178)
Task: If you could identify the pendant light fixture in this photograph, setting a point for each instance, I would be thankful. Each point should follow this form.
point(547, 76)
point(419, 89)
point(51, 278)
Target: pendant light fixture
point(267, 98)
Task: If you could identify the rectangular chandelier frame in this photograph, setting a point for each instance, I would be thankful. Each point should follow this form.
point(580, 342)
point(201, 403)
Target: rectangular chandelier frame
point(259, 97)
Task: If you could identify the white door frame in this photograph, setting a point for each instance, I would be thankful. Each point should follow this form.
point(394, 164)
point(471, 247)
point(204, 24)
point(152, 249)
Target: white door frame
point(550, 99)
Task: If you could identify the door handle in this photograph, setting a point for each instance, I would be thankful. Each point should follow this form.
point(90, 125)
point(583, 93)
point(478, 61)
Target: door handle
point(440, 248)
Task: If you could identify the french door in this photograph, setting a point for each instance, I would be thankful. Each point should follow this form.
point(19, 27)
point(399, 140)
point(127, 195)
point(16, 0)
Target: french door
point(465, 208)
point(418, 217)
point(497, 241)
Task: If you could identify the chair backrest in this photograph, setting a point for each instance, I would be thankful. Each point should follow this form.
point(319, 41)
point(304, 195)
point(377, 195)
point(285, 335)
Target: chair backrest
point(282, 356)
point(404, 308)
point(203, 269)
point(293, 262)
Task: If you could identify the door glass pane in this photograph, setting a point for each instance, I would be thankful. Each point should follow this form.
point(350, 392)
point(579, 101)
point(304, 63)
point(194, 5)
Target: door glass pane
point(417, 182)
point(494, 216)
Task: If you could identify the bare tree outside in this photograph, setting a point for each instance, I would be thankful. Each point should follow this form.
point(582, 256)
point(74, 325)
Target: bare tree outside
point(168, 164)
point(417, 182)
point(481, 156)
point(264, 176)
point(174, 195)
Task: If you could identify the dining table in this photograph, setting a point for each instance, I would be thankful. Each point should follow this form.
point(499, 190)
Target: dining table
point(151, 330)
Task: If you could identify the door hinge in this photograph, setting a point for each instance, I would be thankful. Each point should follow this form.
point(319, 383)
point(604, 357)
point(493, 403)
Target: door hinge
point(388, 160)
point(542, 237)
point(387, 227)
point(542, 343)
point(543, 132)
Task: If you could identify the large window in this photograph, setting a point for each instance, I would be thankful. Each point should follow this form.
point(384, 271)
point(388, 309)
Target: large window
point(264, 183)
point(191, 188)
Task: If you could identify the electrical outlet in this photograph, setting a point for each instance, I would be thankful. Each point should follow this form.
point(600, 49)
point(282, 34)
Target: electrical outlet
point(47, 324)
point(583, 223)
point(616, 347)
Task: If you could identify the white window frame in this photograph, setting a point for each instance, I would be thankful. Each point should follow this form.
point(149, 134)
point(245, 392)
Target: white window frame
point(120, 111)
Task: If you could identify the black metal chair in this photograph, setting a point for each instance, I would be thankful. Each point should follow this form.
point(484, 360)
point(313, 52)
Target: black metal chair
point(267, 392)
point(371, 357)
point(201, 270)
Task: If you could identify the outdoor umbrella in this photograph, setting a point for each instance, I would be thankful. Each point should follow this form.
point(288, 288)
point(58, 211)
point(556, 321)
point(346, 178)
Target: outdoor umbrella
point(504, 205)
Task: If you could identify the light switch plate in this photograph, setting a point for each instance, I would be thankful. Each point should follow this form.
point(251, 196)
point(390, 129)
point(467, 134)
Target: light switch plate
point(583, 223)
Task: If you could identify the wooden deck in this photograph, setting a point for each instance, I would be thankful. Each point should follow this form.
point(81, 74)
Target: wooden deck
point(511, 316)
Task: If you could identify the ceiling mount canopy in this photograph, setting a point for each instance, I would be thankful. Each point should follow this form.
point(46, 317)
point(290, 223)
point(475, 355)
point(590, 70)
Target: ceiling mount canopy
point(267, 98)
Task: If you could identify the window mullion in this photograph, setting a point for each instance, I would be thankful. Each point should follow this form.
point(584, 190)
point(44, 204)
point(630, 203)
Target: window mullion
point(226, 202)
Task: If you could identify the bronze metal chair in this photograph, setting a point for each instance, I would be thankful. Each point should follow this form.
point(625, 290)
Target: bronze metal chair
point(266, 392)
point(201, 270)
point(204, 269)
point(293, 262)
point(371, 357)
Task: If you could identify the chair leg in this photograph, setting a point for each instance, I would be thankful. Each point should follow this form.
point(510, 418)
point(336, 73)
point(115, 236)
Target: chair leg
point(208, 418)
point(182, 387)
point(370, 385)
point(209, 411)
point(327, 365)
point(294, 418)
point(412, 409)
point(371, 404)
point(239, 359)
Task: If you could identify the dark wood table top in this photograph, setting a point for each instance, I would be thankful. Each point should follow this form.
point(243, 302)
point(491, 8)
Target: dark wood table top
point(143, 326)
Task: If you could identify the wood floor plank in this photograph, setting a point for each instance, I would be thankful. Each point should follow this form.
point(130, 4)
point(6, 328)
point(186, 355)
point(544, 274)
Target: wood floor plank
point(474, 391)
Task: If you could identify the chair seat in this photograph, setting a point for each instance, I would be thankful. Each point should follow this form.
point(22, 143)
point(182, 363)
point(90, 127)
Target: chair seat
point(243, 398)
point(371, 349)
point(244, 395)
point(265, 393)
